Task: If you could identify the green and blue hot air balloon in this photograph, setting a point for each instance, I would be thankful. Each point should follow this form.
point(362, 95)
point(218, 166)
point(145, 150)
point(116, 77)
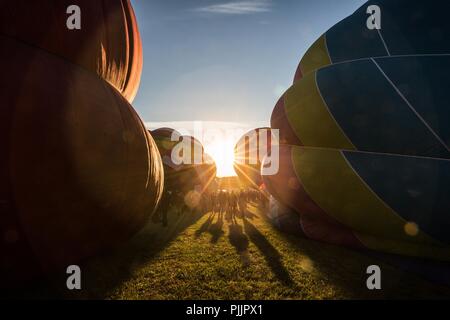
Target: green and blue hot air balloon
point(365, 133)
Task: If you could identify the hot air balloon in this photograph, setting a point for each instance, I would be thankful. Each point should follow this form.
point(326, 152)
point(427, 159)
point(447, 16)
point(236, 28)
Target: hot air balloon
point(365, 157)
point(184, 172)
point(78, 171)
point(166, 139)
point(407, 28)
point(283, 217)
point(249, 152)
point(387, 202)
point(392, 105)
point(107, 44)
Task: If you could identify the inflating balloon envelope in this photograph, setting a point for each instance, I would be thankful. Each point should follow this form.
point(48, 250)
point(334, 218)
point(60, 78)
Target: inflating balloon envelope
point(249, 152)
point(186, 165)
point(365, 133)
point(78, 171)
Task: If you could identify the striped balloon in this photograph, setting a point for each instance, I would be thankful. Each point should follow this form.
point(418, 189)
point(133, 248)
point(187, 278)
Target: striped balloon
point(388, 202)
point(365, 133)
point(414, 27)
point(394, 104)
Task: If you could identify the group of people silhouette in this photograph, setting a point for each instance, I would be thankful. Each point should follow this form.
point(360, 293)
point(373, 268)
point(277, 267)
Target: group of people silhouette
point(229, 201)
point(233, 202)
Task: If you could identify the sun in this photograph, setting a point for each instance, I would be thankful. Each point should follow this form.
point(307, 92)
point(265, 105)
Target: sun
point(222, 151)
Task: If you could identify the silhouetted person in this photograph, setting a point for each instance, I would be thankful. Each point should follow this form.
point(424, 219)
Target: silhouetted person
point(242, 203)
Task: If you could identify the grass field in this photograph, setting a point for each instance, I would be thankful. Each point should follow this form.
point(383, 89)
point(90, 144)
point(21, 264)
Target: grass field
point(218, 257)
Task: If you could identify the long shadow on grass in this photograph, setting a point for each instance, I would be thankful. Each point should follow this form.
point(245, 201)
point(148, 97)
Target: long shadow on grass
point(346, 270)
point(271, 254)
point(330, 262)
point(237, 238)
point(205, 226)
point(100, 275)
point(240, 241)
point(216, 229)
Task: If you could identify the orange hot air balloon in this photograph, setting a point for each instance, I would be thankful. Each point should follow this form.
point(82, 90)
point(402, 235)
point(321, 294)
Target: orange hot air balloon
point(78, 171)
point(108, 43)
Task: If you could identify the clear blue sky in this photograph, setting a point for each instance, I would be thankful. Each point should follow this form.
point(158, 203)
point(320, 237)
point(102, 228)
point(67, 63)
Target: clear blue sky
point(219, 60)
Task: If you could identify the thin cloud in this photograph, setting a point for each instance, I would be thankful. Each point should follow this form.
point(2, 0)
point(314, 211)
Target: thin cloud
point(238, 7)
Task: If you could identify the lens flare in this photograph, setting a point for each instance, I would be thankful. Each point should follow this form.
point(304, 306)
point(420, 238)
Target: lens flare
point(222, 151)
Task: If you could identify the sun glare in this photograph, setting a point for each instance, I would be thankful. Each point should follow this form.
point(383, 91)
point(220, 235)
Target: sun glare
point(222, 151)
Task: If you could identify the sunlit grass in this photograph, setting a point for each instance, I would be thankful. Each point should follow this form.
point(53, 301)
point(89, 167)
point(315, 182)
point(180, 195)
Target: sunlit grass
point(216, 257)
